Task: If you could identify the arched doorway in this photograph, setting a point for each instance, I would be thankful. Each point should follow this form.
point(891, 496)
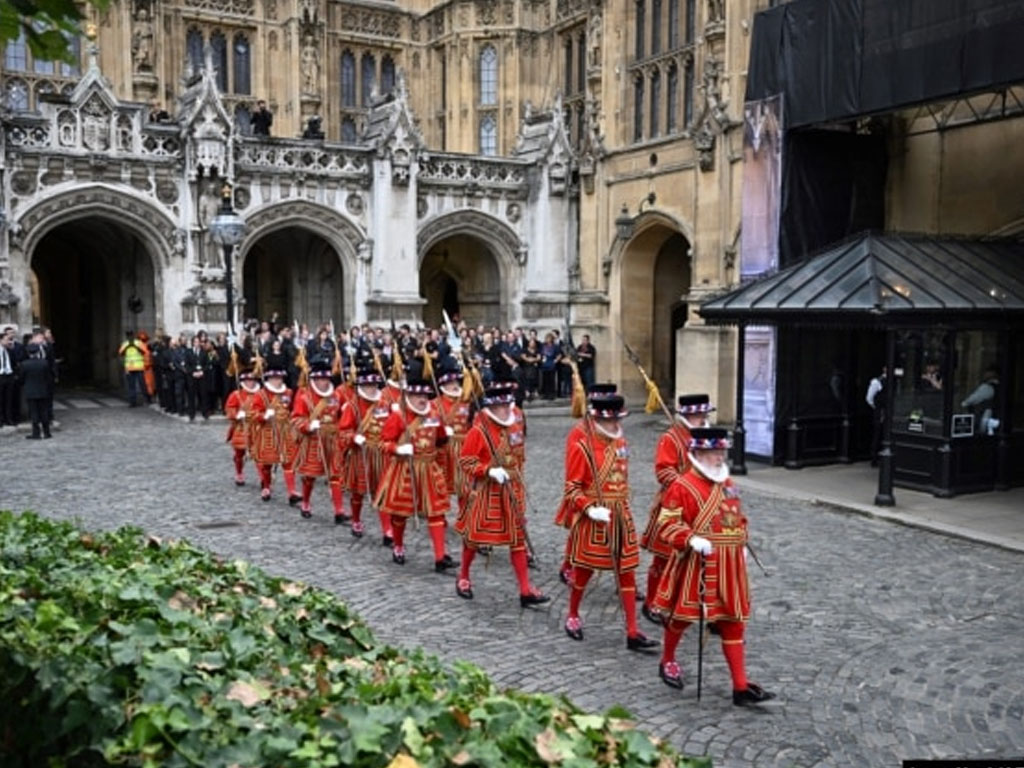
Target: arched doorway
point(297, 274)
point(460, 274)
point(655, 278)
point(95, 281)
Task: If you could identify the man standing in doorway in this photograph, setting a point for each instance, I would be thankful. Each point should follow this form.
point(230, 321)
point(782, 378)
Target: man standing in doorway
point(134, 353)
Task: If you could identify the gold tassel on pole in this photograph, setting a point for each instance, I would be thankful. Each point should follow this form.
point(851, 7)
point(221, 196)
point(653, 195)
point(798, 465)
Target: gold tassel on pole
point(578, 406)
point(654, 402)
point(303, 367)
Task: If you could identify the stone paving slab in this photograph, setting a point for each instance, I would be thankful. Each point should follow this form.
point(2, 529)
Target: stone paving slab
point(884, 642)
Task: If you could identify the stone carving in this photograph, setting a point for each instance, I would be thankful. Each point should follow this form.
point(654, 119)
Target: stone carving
point(486, 12)
point(23, 183)
point(240, 7)
point(714, 118)
point(716, 11)
point(380, 23)
point(242, 198)
point(594, 41)
point(414, 31)
point(67, 129)
point(567, 8)
point(272, 41)
point(95, 125)
point(309, 11)
point(167, 191)
point(460, 170)
point(510, 12)
point(293, 211)
point(513, 212)
point(354, 204)
point(271, 10)
point(142, 39)
point(8, 298)
point(421, 207)
point(704, 143)
point(364, 251)
point(310, 64)
point(492, 231)
point(289, 156)
point(125, 133)
point(439, 23)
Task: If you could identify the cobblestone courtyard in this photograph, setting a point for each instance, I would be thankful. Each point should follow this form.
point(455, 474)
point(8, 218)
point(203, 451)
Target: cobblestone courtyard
point(883, 642)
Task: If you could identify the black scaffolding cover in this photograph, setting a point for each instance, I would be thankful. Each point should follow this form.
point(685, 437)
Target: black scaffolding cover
point(837, 59)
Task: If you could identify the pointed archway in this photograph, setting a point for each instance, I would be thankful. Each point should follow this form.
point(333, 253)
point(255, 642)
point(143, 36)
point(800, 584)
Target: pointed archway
point(94, 280)
point(460, 274)
point(297, 274)
point(655, 278)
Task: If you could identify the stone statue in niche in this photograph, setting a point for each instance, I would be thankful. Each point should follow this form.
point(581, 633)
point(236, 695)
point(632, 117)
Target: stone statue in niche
point(594, 41)
point(716, 11)
point(142, 41)
point(310, 64)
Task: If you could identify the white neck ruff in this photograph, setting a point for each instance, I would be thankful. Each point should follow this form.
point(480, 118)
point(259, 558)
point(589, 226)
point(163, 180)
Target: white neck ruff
point(503, 422)
point(328, 393)
point(373, 398)
point(278, 390)
point(719, 475)
point(415, 410)
point(250, 386)
point(615, 435)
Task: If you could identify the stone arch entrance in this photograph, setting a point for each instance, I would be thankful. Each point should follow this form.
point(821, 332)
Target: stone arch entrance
point(467, 261)
point(655, 276)
point(299, 261)
point(94, 280)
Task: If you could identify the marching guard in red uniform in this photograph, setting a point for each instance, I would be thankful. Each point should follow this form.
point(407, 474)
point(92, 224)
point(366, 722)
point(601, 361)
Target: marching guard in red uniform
point(578, 431)
point(273, 439)
point(601, 532)
point(457, 414)
point(242, 409)
point(325, 425)
point(413, 482)
point(670, 463)
point(364, 465)
point(493, 511)
point(703, 523)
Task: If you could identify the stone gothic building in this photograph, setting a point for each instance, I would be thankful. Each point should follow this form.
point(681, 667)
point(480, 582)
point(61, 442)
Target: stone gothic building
point(519, 162)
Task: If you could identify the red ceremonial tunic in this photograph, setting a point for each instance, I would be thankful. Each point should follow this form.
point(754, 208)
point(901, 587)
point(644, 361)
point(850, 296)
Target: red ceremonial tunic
point(671, 461)
point(273, 442)
point(597, 474)
point(694, 505)
point(456, 414)
point(364, 465)
point(578, 431)
point(419, 482)
point(493, 513)
point(320, 453)
point(239, 430)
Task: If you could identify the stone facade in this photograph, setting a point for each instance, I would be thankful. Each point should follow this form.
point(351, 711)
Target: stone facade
point(486, 149)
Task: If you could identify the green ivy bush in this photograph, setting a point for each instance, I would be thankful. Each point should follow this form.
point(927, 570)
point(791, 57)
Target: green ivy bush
point(118, 649)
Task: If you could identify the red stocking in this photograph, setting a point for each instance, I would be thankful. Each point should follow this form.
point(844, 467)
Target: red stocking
point(289, 481)
point(336, 499)
point(307, 490)
point(580, 577)
point(627, 594)
point(239, 460)
point(436, 528)
point(468, 553)
point(732, 648)
point(673, 634)
point(265, 476)
point(357, 507)
point(654, 578)
point(398, 527)
point(520, 566)
point(385, 523)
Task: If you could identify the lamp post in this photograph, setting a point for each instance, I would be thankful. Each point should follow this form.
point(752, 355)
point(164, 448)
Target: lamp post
point(626, 224)
point(227, 230)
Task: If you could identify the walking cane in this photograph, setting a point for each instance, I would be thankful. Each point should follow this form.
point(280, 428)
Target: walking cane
point(700, 627)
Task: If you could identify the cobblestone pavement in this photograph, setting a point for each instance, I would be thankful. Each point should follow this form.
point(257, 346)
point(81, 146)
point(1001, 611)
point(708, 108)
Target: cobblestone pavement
point(883, 642)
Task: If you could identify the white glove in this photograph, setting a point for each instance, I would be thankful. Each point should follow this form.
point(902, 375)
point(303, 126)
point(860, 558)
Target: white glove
point(700, 545)
point(599, 514)
point(268, 414)
point(449, 431)
point(359, 440)
point(498, 475)
point(404, 450)
point(240, 415)
point(314, 425)
point(396, 407)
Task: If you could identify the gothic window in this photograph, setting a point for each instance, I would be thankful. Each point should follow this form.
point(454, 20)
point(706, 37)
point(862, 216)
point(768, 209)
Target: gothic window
point(16, 54)
point(219, 50)
point(568, 66)
point(688, 95)
point(580, 124)
point(488, 135)
point(640, 28)
point(581, 62)
point(243, 120)
point(369, 75)
point(348, 79)
point(691, 20)
point(673, 99)
point(655, 103)
point(16, 95)
point(348, 130)
point(673, 24)
point(194, 49)
point(488, 78)
point(387, 74)
point(655, 26)
point(242, 78)
point(638, 108)
point(74, 67)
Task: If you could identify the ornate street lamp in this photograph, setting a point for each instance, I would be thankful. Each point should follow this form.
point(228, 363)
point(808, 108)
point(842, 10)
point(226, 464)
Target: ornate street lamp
point(626, 224)
point(227, 230)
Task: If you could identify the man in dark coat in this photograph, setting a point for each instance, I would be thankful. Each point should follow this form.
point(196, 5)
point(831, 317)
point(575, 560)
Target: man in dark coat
point(36, 372)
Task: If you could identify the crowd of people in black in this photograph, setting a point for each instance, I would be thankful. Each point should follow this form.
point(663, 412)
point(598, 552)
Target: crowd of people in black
point(192, 375)
point(28, 371)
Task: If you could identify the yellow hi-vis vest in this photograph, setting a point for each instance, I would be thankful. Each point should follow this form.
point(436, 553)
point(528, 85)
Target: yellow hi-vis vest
point(133, 360)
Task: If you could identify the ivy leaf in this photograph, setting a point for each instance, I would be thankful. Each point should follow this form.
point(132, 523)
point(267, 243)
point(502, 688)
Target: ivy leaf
point(411, 736)
point(247, 694)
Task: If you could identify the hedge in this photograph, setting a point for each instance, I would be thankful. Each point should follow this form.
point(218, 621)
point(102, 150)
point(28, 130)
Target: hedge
point(122, 649)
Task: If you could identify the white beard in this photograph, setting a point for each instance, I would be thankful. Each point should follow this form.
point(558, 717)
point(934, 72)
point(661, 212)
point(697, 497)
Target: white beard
point(615, 435)
point(505, 423)
point(452, 391)
point(719, 475)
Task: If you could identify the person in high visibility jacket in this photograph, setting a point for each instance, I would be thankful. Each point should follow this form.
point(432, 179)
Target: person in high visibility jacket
point(134, 353)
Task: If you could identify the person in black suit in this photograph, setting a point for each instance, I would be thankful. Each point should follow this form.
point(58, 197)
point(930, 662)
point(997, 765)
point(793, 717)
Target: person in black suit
point(10, 356)
point(36, 373)
point(199, 377)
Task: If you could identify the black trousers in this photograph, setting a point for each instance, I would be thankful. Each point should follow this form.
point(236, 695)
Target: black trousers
point(8, 400)
point(38, 412)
